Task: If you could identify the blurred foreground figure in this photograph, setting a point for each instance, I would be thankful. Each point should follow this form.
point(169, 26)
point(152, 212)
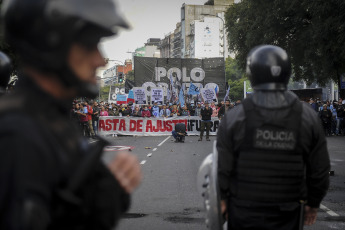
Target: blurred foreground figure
point(273, 162)
point(50, 177)
point(5, 72)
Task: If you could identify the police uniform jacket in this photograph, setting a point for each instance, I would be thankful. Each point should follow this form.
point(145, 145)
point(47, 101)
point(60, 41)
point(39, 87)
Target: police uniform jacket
point(311, 143)
point(41, 151)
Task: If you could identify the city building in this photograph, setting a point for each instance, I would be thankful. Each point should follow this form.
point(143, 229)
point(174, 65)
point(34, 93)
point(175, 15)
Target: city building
point(124, 68)
point(177, 41)
point(170, 45)
point(192, 20)
point(207, 38)
point(150, 49)
point(166, 46)
point(200, 34)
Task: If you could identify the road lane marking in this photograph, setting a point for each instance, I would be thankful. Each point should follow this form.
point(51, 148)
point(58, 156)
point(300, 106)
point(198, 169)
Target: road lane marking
point(328, 211)
point(143, 162)
point(118, 148)
point(154, 149)
point(149, 155)
point(163, 141)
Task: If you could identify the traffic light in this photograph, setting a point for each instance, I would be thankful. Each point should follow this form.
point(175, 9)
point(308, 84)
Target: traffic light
point(120, 78)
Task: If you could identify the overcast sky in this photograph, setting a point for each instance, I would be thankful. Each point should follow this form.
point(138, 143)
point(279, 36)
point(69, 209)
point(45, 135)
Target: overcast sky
point(148, 19)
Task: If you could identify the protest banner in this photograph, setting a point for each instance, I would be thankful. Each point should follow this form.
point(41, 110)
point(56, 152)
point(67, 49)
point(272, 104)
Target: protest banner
point(113, 92)
point(130, 97)
point(209, 95)
point(121, 99)
point(140, 97)
point(157, 95)
point(141, 126)
point(174, 71)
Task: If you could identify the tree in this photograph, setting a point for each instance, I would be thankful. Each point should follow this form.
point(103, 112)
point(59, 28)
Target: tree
point(232, 70)
point(130, 75)
point(235, 77)
point(312, 32)
point(104, 93)
point(209, 2)
point(236, 89)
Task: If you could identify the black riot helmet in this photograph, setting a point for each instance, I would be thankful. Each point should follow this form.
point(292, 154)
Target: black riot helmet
point(5, 71)
point(42, 31)
point(268, 68)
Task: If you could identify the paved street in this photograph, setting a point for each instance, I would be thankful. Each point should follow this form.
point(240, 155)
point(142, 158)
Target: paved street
point(335, 199)
point(167, 198)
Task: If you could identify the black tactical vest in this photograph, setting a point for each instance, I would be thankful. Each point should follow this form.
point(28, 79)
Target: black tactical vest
point(73, 155)
point(269, 166)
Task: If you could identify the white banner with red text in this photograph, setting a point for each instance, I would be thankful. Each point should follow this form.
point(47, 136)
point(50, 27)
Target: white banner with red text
point(141, 126)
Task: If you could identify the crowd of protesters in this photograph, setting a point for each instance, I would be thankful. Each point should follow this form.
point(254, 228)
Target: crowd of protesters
point(86, 114)
point(332, 116)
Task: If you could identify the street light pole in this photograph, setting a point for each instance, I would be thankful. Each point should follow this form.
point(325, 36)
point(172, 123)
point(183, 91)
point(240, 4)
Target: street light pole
point(107, 60)
point(123, 65)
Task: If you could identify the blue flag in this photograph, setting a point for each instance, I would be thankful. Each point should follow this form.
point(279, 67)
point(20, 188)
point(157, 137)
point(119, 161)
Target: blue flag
point(130, 94)
point(227, 93)
point(216, 90)
point(181, 97)
point(173, 96)
point(193, 90)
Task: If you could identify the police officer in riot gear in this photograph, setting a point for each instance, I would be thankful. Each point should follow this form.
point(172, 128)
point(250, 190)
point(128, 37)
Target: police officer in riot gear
point(272, 152)
point(50, 177)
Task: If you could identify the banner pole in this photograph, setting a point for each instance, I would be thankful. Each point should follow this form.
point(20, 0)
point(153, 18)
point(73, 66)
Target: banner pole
point(244, 89)
point(109, 93)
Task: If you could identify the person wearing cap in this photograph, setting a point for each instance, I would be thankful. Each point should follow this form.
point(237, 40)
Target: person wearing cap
point(50, 176)
point(273, 162)
point(206, 122)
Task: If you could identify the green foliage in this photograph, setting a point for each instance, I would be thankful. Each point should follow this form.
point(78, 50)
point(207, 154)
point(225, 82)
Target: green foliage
point(312, 32)
point(209, 2)
point(232, 70)
point(104, 93)
point(130, 75)
point(235, 77)
point(236, 89)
